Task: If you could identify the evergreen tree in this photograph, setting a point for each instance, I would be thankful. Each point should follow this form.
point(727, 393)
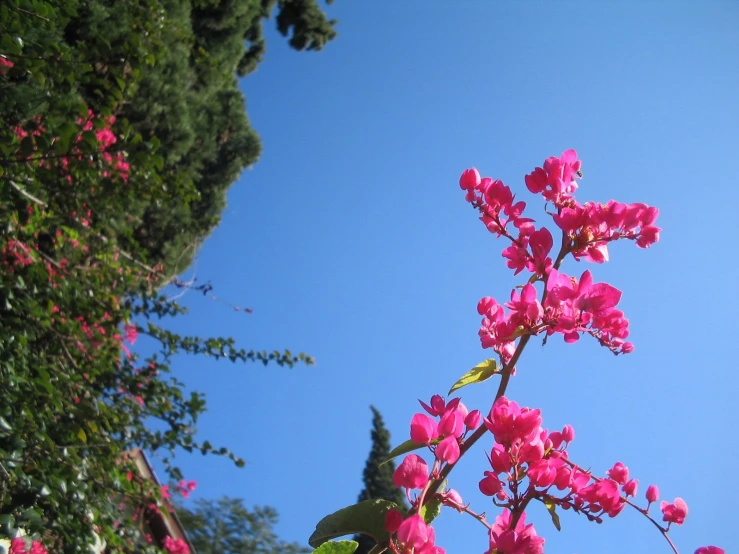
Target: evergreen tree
point(378, 479)
point(226, 526)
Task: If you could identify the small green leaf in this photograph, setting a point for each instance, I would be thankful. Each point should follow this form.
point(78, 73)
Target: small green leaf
point(551, 506)
point(45, 491)
point(407, 446)
point(4, 425)
point(431, 510)
point(481, 372)
point(337, 547)
point(367, 517)
point(82, 435)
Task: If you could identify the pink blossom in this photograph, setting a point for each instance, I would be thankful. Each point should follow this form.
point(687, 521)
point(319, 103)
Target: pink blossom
point(414, 532)
point(412, 473)
point(508, 422)
point(470, 179)
point(710, 550)
point(452, 423)
point(186, 487)
point(38, 548)
point(437, 406)
point(543, 472)
point(448, 450)
point(499, 459)
point(521, 540)
point(652, 493)
point(603, 495)
point(452, 499)
point(490, 485)
point(177, 546)
point(525, 307)
point(619, 473)
point(630, 487)
point(472, 421)
point(675, 512)
point(423, 429)
point(17, 546)
point(132, 332)
point(393, 519)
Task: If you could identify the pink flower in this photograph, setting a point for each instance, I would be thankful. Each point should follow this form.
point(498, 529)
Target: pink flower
point(543, 472)
point(132, 333)
point(17, 546)
point(165, 492)
point(521, 540)
point(452, 423)
point(619, 473)
point(414, 532)
point(675, 512)
point(448, 450)
point(470, 179)
point(177, 546)
point(630, 487)
point(508, 422)
point(393, 519)
point(38, 548)
point(603, 494)
point(652, 493)
point(437, 406)
point(5, 64)
point(472, 421)
point(710, 550)
point(186, 487)
point(423, 429)
point(412, 473)
point(499, 459)
point(490, 485)
point(452, 499)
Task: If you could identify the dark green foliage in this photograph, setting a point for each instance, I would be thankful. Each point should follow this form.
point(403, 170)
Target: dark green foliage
point(226, 526)
point(79, 236)
point(378, 479)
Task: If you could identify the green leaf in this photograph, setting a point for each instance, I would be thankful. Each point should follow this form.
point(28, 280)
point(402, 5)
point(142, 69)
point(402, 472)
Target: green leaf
point(481, 372)
point(65, 133)
point(551, 506)
point(367, 517)
point(337, 547)
point(431, 510)
point(4, 425)
point(82, 435)
point(407, 446)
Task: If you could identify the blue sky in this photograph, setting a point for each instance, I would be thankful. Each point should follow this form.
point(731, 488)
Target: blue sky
point(351, 241)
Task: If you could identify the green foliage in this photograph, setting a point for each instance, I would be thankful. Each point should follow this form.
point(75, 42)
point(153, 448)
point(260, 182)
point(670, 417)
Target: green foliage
point(367, 518)
point(89, 89)
point(378, 477)
point(481, 372)
point(336, 547)
point(226, 526)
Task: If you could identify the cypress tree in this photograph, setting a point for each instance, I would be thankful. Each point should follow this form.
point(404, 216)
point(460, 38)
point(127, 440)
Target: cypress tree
point(378, 479)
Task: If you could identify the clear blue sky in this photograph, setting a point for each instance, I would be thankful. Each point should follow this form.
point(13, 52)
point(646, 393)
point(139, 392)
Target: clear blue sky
point(351, 241)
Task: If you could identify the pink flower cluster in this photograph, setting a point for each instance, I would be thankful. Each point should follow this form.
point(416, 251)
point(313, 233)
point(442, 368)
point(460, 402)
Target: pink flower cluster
point(19, 546)
point(566, 306)
point(524, 451)
point(176, 546)
point(413, 535)
point(444, 436)
point(507, 538)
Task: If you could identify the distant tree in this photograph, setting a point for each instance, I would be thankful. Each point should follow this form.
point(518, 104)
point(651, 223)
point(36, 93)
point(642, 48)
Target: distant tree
point(226, 526)
point(378, 479)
